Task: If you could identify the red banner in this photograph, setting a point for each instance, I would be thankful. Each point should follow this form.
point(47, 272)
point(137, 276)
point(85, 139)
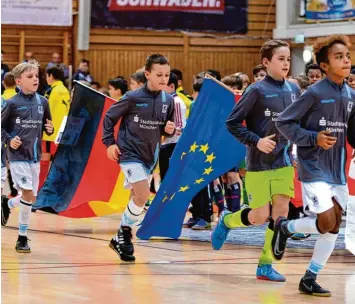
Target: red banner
point(196, 6)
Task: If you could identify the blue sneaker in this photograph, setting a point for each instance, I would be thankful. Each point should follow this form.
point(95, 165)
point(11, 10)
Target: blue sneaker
point(220, 233)
point(202, 225)
point(267, 273)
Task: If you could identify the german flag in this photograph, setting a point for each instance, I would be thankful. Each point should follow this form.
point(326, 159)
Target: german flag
point(82, 182)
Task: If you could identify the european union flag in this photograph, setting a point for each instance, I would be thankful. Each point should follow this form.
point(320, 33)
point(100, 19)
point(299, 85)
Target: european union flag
point(204, 152)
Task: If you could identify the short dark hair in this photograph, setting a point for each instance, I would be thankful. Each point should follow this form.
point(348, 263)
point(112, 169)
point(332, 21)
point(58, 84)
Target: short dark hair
point(119, 83)
point(233, 81)
point(313, 66)
point(9, 80)
point(173, 79)
point(155, 59)
point(178, 73)
point(139, 77)
point(322, 45)
point(119, 76)
point(267, 50)
point(198, 81)
point(96, 83)
point(83, 60)
point(303, 81)
point(56, 71)
point(352, 71)
point(258, 68)
point(216, 74)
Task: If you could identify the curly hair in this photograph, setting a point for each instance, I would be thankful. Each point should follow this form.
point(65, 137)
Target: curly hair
point(322, 46)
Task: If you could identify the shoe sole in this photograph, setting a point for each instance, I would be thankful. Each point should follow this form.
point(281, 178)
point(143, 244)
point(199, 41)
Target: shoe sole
point(201, 228)
point(23, 251)
point(314, 294)
point(125, 258)
point(267, 279)
point(3, 221)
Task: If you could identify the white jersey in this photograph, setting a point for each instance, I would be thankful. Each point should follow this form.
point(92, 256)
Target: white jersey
point(179, 119)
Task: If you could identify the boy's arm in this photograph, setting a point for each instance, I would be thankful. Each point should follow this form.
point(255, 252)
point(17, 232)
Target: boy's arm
point(170, 117)
point(288, 123)
point(240, 112)
point(47, 116)
point(5, 114)
point(113, 115)
point(351, 128)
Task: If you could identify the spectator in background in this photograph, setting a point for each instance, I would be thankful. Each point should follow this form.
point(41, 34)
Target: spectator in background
point(137, 80)
point(216, 74)
point(351, 79)
point(95, 85)
point(57, 62)
point(83, 72)
point(117, 88)
point(245, 79)
point(302, 81)
point(314, 73)
point(59, 103)
point(187, 99)
point(4, 70)
point(28, 56)
point(104, 91)
point(259, 72)
point(9, 85)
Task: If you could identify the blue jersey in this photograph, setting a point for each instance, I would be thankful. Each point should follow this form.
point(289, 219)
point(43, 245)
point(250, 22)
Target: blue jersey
point(324, 106)
point(144, 115)
point(259, 107)
point(24, 116)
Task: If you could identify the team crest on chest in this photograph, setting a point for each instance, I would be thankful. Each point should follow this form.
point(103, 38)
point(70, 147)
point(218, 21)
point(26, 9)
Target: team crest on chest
point(350, 106)
point(164, 109)
point(40, 109)
point(293, 97)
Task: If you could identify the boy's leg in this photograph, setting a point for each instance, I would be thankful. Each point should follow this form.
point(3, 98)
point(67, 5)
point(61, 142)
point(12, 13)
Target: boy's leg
point(258, 187)
point(138, 179)
point(205, 201)
point(319, 197)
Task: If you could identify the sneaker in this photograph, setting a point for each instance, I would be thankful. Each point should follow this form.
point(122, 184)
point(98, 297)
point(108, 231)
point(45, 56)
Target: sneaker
point(280, 237)
point(267, 273)
point(220, 233)
point(121, 243)
point(5, 210)
point(202, 225)
point(300, 236)
point(310, 287)
point(22, 244)
point(190, 223)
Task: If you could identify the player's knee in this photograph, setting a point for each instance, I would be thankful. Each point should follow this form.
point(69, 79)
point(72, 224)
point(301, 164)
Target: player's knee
point(142, 197)
point(260, 217)
point(326, 224)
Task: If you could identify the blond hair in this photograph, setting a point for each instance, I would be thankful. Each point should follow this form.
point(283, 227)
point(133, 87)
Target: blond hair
point(23, 67)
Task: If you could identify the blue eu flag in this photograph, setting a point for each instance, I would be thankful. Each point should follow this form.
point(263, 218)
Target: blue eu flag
point(204, 152)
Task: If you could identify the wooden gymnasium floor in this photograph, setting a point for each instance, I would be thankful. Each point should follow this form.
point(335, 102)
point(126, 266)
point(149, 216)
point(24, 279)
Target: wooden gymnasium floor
point(72, 263)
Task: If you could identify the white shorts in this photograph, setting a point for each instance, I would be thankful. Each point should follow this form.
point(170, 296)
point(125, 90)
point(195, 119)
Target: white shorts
point(135, 172)
point(25, 175)
point(317, 197)
point(3, 176)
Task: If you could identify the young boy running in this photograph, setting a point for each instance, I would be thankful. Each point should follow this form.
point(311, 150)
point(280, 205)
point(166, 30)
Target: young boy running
point(146, 114)
point(270, 173)
point(317, 123)
point(24, 117)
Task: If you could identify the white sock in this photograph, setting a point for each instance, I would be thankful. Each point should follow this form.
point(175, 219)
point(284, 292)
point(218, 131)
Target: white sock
point(24, 217)
point(14, 202)
point(131, 215)
point(303, 225)
point(322, 251)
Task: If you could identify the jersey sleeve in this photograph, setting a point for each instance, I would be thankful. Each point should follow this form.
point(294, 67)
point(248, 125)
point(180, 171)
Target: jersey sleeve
point(288, 123)
point(113, 115)
point(5, 116)
point(240, 112)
